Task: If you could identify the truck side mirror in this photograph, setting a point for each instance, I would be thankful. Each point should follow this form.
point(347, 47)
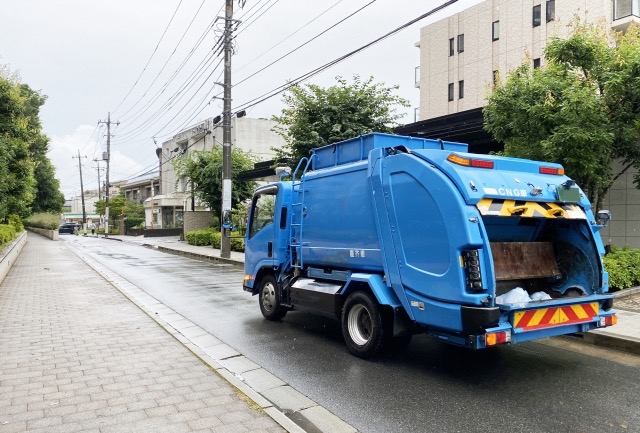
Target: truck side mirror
point(603, 217)
point(227, 223)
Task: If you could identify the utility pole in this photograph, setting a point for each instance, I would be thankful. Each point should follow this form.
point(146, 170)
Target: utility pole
point(108, 158)
point(84, 212)
point(225, 242)
point(97, 161)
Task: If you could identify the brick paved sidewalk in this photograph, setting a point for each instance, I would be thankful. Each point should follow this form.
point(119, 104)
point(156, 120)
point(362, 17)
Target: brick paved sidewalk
point(76, 355)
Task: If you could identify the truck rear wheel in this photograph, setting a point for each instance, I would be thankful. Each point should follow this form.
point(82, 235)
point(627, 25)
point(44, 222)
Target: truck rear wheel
point(269, 299)
point(362, 325)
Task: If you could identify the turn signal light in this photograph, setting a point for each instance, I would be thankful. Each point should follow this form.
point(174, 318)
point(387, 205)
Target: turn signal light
point(468, 162)
point(247, 278)
point(494, 338)
point(552, 170)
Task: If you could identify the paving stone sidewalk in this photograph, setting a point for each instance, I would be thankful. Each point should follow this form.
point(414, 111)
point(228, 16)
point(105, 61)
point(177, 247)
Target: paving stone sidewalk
point(77, 356)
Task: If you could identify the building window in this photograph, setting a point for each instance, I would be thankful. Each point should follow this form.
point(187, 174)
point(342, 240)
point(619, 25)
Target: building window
point(537, 10)
point(551, 10)
point(496, 76)
point(495, 35)
point(536, 63)
point(416, 75)
point(451, 47)
point(461, 43)
point(460, 89)
point(622, 9)
point(416, 114)
point(450, 91)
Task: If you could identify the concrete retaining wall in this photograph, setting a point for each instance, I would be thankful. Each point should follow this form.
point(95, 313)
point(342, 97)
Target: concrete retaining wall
point(197, 220)
point(9, 255)
point(51, 234)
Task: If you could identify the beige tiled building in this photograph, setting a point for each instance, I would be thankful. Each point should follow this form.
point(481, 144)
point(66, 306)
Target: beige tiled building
point(462, 55)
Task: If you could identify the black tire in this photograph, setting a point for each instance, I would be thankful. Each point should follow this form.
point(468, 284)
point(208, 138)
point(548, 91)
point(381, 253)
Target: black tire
point(362, 325)
point(269, 299)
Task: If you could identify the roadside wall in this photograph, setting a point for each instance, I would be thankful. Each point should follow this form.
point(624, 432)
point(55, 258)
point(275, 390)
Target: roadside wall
point(196, 220)
point(51, 234)
point(9, 255)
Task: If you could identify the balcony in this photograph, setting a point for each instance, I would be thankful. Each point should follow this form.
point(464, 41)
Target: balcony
point(625, 12)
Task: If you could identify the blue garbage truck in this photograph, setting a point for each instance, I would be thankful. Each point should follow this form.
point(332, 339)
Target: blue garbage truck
point(396, 235)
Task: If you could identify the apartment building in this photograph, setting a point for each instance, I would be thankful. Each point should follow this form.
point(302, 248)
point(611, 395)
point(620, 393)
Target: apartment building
point(251, 135)
point(463, 55)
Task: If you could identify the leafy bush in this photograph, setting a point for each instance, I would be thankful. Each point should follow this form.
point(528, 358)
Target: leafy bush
point(211, 236)
point(16, 222)
point(131, 222)
point(200, 237)
point(48, 221)
point(623, 265)
point(7, 233)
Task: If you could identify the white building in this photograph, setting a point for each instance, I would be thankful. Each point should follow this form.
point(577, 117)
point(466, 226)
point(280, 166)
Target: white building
point(250, 135)
point(461, 57)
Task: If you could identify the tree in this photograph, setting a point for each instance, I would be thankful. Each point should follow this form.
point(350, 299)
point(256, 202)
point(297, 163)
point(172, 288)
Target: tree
point(582, 109)
point(27, 178)
point(120, 206)
point(204, 171)
point(317, 116)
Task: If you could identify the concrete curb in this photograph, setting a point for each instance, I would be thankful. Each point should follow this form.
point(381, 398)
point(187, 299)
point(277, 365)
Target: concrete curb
point(10, 254)
point(617, 342)
point(196, 256)
point(277, 399)
point(626, 292)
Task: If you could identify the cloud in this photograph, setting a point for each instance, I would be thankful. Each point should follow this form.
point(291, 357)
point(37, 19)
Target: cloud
point(90, 142)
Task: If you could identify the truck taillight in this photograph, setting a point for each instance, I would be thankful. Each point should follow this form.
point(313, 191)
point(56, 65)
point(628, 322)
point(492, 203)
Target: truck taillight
point(471, 264)
point(608, 320)
point(493, 338)
point(469, 162)
point(558, 171)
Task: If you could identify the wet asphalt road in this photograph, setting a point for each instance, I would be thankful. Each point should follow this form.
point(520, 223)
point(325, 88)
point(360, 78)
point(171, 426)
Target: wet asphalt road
point(432, 387)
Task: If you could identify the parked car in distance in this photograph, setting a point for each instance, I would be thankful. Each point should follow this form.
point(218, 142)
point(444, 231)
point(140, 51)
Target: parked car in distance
point(68, 228)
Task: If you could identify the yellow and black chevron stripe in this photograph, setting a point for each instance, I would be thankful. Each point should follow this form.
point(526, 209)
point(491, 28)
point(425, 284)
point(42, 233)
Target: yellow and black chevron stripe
point(529, 209)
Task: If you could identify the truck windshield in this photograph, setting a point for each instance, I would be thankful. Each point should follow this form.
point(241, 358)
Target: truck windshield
point(262, 213)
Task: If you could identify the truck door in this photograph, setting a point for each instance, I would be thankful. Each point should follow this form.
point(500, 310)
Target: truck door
point(260, 244)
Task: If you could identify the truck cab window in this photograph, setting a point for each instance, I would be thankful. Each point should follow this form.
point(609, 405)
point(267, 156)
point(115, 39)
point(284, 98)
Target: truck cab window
point(262, 213)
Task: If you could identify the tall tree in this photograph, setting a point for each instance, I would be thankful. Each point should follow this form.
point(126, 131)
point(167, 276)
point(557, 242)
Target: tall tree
point(582, 109)
point(317, 116)
point(27, 178)
point(203, 169)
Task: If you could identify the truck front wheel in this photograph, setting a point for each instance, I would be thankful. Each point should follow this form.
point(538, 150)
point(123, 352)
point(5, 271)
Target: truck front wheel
point(362, 325)
point(269, 299)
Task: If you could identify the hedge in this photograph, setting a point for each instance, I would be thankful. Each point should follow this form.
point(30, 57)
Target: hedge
point(7, 233)
point(47, 221)
point(623, 265)
point(211, 236)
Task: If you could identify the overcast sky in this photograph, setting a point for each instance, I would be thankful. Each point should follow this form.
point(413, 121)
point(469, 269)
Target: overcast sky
point(150, 63)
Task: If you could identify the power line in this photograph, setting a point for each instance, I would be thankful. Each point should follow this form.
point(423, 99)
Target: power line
point(326, 66)
point(307, 42)
point(177, 71)
point(152, 54)
point(290, 35)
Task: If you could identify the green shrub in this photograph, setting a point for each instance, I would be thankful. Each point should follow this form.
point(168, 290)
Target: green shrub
point(623, 265)
point(211, 236)
point(7, 233)
point(48, 221)
point(200, 237)
point(16, 222)
point(131, 222)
